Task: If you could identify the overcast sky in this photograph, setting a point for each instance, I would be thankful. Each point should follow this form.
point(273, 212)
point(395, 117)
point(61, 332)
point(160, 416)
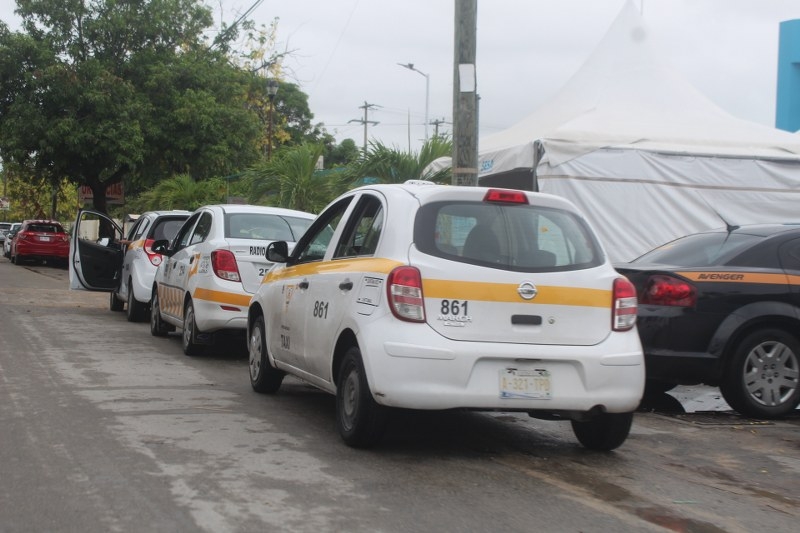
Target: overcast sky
point(345, 53)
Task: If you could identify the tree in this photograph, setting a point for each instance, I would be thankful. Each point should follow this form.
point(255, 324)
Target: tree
point(105, 91)
point(181, 192)
point(390, 165)
point(341, 154)
point(290, 180)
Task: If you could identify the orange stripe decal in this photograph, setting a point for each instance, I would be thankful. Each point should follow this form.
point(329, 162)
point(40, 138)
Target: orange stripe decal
point(222, 297)
point(739, 277)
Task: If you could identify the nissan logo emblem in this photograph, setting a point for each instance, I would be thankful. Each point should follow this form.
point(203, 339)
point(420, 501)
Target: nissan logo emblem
point(527, 290)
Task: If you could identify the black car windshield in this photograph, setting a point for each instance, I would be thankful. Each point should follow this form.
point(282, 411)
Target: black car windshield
point(701, 249)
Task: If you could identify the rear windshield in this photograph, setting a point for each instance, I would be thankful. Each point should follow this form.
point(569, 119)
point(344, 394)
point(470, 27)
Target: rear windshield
point(264, 227)
point(45, 228)
point(167, 228)
point(513, 237)
point(701, 249)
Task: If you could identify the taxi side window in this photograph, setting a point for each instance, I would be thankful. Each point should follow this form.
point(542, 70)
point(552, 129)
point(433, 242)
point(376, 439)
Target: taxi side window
point(363, 231)
point(315, 242)
point(139, 229)
point(202, 229)
point(183, 236)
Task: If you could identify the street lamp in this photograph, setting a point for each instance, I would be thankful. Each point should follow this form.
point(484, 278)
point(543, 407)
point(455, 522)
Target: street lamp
point(410, 66)
point(272, 90)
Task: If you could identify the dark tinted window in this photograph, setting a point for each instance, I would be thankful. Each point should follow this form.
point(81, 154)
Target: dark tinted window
point(45, 228)
point(506, 236)
point(166, 228)
point(701, 249)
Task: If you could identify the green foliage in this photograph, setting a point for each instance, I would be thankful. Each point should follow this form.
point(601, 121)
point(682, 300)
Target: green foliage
point(36, 198)
point(107, 91)
point(390, 165)
point(342, 154)
point(180, 192)
point(290, 180)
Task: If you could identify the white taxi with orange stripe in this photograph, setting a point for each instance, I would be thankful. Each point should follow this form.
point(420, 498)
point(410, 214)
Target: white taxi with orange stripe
point(435, 297)
point(213, 266)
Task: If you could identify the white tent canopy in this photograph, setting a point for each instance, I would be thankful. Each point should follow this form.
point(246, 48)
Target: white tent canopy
point(645, 155)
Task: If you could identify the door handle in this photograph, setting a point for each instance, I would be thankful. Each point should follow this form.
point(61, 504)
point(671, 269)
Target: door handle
point(346, 285)
point(191, 260)
point(303, 284)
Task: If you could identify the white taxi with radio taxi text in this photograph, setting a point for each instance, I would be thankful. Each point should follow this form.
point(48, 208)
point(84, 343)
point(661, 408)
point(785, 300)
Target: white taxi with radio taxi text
point(427, 296)
point(213, 266)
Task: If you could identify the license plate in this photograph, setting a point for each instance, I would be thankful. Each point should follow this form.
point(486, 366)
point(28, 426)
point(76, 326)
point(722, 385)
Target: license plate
point(44, 239)
point(525, 384)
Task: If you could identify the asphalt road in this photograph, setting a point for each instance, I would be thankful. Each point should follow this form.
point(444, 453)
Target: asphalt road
point(106, 428)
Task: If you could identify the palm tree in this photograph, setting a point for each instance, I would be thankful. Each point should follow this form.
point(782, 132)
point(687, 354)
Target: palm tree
point(290, 180)
point(390, 165)
point(181, 192)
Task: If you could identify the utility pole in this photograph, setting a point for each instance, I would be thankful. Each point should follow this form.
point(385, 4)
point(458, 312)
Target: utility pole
point(465, 95)
point(366, 107)
point(436, 124)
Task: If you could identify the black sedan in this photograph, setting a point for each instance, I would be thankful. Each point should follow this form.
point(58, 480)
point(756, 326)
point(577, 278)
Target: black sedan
point(722, 308)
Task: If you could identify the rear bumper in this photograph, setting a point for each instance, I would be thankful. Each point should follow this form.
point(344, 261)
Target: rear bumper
point(29, 249)
point(427, 373)
point(221, 309)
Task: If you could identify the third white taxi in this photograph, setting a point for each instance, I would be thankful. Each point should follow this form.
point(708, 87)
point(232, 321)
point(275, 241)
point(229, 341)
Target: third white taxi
point(213, 266)
point(424, 296)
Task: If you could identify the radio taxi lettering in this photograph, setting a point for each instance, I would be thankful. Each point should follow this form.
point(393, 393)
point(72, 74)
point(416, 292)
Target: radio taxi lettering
point(720, 276)
point(258, 250)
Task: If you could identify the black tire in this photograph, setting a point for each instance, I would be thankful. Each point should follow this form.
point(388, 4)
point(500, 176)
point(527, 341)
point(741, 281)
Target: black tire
point(189, 333)
point(361, 421)
point(263, 376)
point(114, 303)
point(762, 379)
point(158, 328)
point(603, 432)
point(137, 311)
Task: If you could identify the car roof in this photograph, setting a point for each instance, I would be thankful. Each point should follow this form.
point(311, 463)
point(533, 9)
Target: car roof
point(166, 213)
point(246, 208)
point(759, 230)
point(426, 192)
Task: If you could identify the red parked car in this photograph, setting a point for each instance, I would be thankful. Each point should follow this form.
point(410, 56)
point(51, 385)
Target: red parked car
point(40, 240)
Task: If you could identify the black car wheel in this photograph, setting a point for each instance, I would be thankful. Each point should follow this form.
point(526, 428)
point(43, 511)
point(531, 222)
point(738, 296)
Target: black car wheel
point(136, 309)
point(263, 376)
point(158, 328)
point(360, 420)
point(603, 432)
point(190, 345)
point(114, 303)
point(762, 379)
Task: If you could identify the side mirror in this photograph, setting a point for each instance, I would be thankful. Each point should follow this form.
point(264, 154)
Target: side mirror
point(277, 252)
point(161, 246)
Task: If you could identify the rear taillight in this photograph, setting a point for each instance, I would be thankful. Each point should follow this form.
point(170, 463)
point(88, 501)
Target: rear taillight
point(624, 305)
point(24, 235)
point(223, 262)
point(666, 290)
point(404, 289)
point(155, 259)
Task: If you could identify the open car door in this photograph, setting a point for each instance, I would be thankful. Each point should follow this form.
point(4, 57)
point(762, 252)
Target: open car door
point(95, 252)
